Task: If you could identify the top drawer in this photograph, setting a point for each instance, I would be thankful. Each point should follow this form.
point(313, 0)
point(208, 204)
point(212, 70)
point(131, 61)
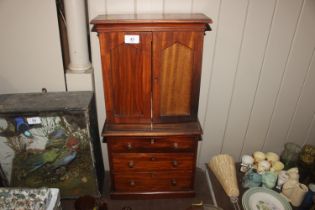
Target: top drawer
point(152, 144)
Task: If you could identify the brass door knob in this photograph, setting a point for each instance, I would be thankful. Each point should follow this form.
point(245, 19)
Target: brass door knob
point(131, 164)
point(174, 163)
point(129, 146)
point(173, 182)
point(132, 183)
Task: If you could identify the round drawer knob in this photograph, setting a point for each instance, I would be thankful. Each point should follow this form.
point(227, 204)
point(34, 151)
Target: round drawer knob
point(129, 146)
point(152, 141)
point(173, 182)
point(175, 145)
point(131, 164)
point(152, 158)
point(175, 163)
point(132, 183)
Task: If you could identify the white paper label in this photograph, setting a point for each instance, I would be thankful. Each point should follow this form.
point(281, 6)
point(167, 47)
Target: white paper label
point(33, 120)
point(132, 39)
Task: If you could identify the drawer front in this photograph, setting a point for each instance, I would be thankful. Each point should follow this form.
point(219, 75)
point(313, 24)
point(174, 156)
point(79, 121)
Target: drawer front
point(152, 161)
point(154, 144)
point(157, 181)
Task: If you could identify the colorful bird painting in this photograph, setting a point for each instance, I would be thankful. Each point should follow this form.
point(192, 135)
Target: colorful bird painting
point(64, 159)
point(59, 133)
point(38, 160)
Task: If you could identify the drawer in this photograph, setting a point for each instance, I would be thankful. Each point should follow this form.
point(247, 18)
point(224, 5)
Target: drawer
point(156, 181)
point(152, 161)
point(154, 144)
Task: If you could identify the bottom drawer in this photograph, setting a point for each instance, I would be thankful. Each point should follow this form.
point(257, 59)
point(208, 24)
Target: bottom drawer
point(153, 181)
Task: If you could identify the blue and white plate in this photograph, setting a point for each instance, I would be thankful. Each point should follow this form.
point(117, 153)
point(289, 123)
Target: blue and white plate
point(260, 198)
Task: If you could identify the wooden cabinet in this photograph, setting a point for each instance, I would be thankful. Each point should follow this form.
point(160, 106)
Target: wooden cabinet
point(151, 72)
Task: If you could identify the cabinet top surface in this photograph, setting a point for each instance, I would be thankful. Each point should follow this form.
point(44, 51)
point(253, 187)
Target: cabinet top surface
point(41, 102)
point(151, 18)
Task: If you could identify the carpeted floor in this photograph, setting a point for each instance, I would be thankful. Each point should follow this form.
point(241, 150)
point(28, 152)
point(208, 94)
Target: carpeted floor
point(202, 194)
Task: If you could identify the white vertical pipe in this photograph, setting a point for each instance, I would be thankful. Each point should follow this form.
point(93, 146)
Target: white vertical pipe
point(77, 35)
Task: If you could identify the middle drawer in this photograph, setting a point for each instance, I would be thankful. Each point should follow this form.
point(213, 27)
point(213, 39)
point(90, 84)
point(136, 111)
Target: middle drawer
point(152, 161)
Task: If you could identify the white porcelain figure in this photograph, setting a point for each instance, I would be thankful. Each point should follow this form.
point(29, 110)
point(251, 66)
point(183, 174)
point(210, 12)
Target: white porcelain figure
point(283, 177)
point(247, 163)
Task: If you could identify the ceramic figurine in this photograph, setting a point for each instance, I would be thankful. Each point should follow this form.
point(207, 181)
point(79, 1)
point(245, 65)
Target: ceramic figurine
point(251, 179)
point(294, 174)
point(269, 179)
point(289, 156)
point(259, 156)
point(263, 166)
point(247, 163)
point(283, 177)
point(295, 192)
point(272, 157)
point(277, 166)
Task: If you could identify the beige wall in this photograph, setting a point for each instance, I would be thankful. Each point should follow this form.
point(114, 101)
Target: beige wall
point(258, 76)
point(30, 54)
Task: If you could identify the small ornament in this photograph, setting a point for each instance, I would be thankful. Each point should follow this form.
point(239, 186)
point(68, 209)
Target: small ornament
point(277, 166)
point(251, 179)
point(247, 163)
point(263, 166)
point(259, 156)
point(294, 174)
point(269, 179)
point(283, 177)
point(272, 157)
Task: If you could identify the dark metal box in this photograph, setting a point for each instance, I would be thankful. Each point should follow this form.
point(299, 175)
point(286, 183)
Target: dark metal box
point(51, 140)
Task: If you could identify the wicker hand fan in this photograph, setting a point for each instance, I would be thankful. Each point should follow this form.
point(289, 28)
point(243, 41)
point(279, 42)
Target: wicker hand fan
point(223, 167)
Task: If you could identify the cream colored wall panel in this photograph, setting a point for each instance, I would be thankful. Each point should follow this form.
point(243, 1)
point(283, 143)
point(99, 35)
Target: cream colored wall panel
point(98, 7)
point(210, 8)
point(305, 108)
point(294, 77)
point(177, 6)
point(310, 139)
point(30, 51)
point(282, 32)
point(120, 6)
point(249, 66)
point(149, 6)
point(228, 42)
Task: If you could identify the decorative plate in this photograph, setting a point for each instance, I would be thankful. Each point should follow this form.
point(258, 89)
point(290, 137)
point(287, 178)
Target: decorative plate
point(260, 198)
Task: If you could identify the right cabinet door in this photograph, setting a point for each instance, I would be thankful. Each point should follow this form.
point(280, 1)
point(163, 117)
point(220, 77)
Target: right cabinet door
point(176, 75)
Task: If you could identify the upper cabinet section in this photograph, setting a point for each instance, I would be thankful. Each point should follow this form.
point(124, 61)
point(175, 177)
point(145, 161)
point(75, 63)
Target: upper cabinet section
point(151, 66)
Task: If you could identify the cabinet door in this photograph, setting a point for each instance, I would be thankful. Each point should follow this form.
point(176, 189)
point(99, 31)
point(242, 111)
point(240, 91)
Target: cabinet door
point(176, 75)
point(127, 76)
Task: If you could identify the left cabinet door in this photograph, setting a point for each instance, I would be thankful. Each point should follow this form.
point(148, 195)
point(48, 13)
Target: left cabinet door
point(126, 65)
